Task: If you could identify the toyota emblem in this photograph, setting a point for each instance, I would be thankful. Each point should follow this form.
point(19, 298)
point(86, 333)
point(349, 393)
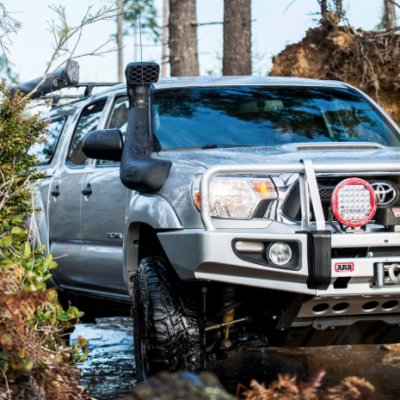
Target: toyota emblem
point(386, 194)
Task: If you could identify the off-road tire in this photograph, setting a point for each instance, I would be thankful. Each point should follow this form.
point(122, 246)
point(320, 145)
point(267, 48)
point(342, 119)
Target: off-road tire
point(166, 322)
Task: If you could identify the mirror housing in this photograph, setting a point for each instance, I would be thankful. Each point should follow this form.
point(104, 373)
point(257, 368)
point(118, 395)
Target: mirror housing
point(105, 144)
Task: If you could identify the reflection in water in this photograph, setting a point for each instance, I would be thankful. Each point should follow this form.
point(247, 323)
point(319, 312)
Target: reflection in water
point(109, 370)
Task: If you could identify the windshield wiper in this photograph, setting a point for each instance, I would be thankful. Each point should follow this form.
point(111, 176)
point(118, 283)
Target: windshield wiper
point(221, 146)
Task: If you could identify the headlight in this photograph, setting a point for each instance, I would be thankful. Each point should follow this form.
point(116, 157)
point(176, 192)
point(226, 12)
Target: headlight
point(235, 198)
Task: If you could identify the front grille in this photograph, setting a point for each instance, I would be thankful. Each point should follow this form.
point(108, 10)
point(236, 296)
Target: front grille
point(326, 194)
point(327, 185)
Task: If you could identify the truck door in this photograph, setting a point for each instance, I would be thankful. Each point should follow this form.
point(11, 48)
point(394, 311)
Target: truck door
point(103, 216)
point(65, 234)
point(47, 154)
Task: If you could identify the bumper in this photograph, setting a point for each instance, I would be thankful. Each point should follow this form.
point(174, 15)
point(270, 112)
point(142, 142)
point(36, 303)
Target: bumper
point(209, 255)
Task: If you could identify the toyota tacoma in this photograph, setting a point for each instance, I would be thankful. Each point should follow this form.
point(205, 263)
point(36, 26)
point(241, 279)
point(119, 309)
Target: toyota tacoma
point(231, 211)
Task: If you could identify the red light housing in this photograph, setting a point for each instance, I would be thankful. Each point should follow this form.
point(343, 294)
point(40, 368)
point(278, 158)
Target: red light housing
point(354, 202)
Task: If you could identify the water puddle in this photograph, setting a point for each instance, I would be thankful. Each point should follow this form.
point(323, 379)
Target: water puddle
point(109, 372)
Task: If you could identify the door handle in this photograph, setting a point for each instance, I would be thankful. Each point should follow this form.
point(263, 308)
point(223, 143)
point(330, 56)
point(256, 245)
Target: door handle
point(112, 235)
point(87, 191)
point(55, 192)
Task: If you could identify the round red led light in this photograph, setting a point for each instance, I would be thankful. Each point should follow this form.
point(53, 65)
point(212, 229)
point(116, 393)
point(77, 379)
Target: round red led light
point(354, 202)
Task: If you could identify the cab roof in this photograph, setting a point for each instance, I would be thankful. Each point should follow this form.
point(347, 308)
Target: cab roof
point(210, 81)
point(205, 81)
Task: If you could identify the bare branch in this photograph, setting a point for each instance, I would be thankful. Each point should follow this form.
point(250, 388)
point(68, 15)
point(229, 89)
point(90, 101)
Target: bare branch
point(395, 3)
point(389, 31)
point(8, 26)
point(63, 33)
point(290, 4)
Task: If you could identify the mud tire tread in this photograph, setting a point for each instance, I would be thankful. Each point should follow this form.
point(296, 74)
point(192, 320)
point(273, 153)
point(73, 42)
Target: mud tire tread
point(171, 323)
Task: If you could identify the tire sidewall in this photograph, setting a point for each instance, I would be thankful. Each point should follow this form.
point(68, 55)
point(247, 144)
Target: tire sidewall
point(139, 335)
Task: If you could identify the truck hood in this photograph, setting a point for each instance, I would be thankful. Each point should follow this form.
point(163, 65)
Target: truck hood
point(284, 154)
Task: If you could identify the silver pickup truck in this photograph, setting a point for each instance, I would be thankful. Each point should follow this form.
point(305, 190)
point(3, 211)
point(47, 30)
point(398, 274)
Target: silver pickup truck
point(231, 210)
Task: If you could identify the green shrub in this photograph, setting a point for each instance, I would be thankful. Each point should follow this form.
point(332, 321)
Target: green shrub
point(32, 320)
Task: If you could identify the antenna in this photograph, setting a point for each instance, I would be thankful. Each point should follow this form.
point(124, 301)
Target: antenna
point(140, 34)
point(140, 41)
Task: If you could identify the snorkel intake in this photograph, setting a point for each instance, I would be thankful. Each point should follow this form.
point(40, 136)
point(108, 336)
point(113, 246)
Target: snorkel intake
point(138, 170)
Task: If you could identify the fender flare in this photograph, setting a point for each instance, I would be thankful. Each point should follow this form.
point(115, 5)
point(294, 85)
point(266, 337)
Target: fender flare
point(150, 209)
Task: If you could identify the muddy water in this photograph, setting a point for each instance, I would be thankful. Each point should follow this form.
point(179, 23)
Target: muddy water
point(109, 372)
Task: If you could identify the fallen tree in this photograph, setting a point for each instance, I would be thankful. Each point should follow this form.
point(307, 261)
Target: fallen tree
point(368, 60)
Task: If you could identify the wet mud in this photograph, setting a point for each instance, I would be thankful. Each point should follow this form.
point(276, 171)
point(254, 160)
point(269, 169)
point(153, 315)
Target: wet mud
point(109, 371)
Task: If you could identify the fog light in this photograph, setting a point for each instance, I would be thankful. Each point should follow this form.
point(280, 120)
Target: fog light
point(280, 253)
point(252, 247)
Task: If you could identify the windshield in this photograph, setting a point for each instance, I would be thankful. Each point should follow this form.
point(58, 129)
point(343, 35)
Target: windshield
point(207, 117)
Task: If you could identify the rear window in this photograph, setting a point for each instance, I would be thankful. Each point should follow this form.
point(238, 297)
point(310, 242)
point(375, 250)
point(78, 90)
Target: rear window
point(45, 151)
point(118, 120)
point(196, 117)
point(88, 121)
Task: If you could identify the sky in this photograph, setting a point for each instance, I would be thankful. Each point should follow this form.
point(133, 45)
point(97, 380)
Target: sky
point(275, 25)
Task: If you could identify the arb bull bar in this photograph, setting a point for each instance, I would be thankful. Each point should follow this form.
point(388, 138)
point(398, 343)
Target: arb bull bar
point(374, 275)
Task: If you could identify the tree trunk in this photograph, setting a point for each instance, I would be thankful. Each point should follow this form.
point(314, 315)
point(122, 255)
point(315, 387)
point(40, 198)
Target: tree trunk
point(164, 40)
point(183, 38)
point(389, 15)
point(324, 7)
point(339, 8)
point(119, 42)
point(237, 37)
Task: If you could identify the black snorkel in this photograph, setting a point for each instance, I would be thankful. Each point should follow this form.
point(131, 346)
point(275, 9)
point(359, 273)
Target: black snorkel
point(138, 170)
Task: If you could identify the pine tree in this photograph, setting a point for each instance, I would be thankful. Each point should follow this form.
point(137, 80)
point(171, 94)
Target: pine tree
point(389, 14)
point(237, 38)
point(183, 54)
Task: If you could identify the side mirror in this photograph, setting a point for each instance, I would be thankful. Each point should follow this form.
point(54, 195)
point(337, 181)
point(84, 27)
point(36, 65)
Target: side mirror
point(106, 144)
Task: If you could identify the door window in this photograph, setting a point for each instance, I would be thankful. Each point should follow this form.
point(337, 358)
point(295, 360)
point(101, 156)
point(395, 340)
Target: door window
point(118, 120)
point(45, 151)
point(88, 121)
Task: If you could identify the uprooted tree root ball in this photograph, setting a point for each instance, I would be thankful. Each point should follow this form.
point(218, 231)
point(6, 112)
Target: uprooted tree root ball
point(367, 60)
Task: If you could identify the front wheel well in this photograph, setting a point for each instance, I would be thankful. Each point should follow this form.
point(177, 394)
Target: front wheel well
point(141, 242)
